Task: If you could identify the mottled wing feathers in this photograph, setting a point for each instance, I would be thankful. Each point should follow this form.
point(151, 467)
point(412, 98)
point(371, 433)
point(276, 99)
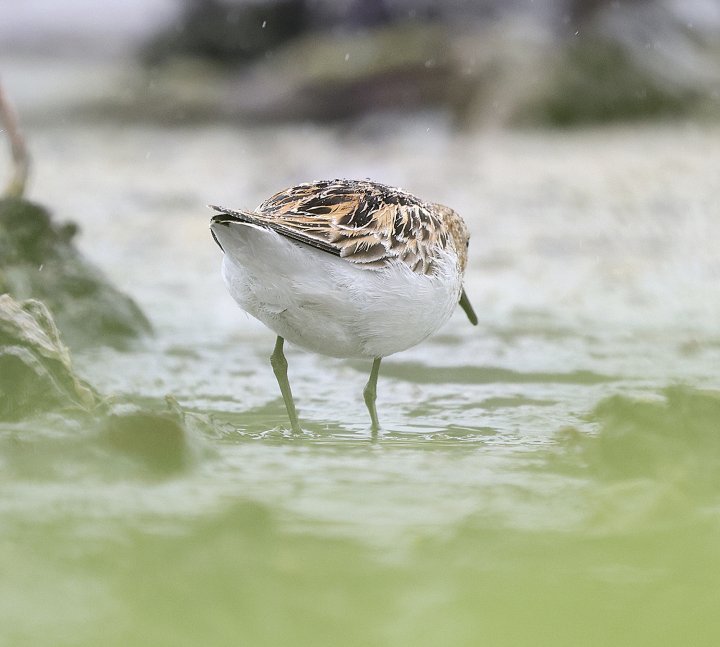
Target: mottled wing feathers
point(364, 222)
point(253, 218)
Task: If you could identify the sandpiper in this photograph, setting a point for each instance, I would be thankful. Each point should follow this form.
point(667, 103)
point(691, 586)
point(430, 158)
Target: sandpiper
point(345, 268)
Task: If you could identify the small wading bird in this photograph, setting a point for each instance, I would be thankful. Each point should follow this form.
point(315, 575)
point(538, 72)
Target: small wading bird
point(344, 268)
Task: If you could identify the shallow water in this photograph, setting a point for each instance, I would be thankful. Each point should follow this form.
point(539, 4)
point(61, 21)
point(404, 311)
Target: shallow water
point(497, 504)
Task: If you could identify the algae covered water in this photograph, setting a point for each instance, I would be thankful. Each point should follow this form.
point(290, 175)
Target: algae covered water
point(549, 477)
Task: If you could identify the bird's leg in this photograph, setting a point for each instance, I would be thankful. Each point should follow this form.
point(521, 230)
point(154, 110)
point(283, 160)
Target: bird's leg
point(370, 393)
point(279, 365)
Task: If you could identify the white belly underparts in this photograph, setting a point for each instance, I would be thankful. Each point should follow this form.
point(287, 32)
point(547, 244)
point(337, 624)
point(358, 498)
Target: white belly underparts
point(327, 305)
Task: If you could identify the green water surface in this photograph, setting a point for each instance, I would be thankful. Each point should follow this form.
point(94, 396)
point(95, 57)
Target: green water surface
point(547, 478)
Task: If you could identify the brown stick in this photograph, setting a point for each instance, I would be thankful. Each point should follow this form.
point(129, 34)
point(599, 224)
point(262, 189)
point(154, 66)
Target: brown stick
point(18, 150)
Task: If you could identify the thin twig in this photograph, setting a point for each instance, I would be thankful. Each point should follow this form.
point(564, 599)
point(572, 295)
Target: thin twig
point(18, 150)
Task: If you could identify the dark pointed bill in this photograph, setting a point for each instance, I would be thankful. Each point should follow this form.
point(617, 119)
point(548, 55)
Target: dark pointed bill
point(465, 305)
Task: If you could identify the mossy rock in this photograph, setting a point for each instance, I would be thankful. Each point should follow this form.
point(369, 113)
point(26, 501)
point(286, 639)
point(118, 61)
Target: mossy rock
point(38, 260)
point(37, 378)
point(36, 373)
point(154, 440)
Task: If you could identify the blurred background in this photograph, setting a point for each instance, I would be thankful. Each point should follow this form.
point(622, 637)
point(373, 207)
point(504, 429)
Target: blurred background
point(481, 63)
point(512, 112)
point(549, 477)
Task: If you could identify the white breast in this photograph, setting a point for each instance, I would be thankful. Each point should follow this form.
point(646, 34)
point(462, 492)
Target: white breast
point(328, 305)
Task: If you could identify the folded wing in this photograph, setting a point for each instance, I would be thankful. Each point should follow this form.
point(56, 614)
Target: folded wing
point(365, 223)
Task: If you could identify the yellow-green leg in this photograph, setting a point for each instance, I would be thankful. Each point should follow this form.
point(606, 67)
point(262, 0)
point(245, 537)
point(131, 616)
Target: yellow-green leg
point(280, 365)
point(370, 393)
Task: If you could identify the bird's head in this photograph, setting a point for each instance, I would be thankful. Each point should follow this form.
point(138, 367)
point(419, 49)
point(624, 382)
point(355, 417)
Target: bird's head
point(459, 233)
